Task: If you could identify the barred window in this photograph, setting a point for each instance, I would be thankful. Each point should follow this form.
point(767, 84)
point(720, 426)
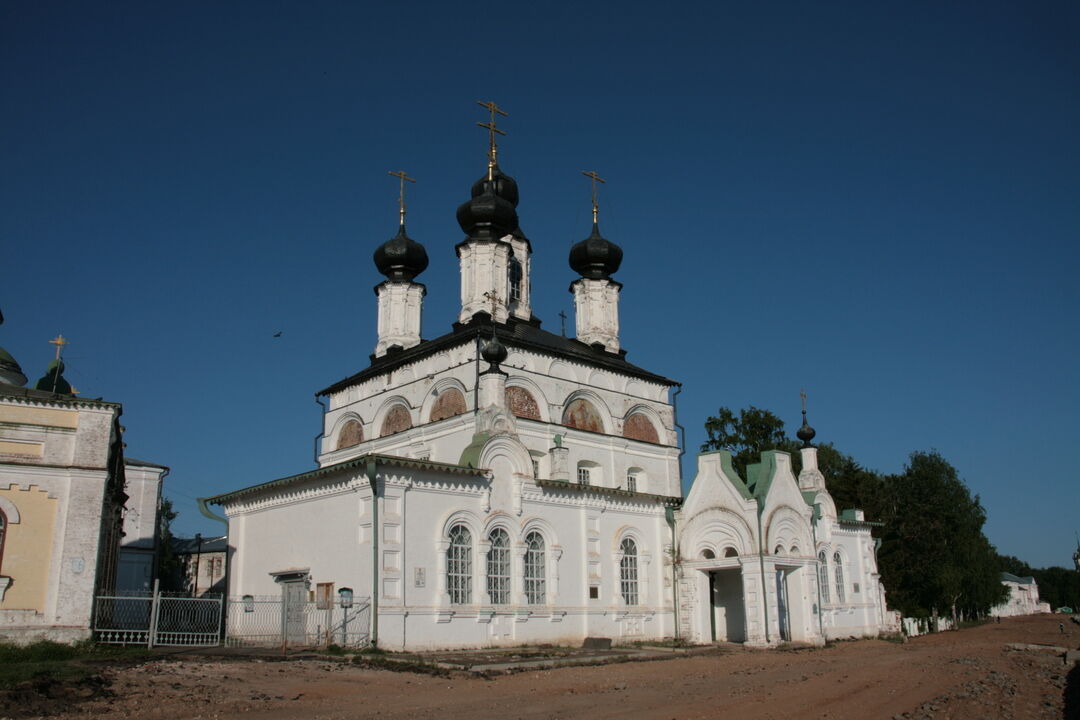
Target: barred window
point(459, 566)
point(628, 572)
point(631, 482)
point(823, 575)
point(535, 571)
point(498, 567)
point(583, 475)
point(839, 577)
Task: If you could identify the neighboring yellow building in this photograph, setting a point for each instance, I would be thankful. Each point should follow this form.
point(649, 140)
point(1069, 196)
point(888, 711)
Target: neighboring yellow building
point(61, 504)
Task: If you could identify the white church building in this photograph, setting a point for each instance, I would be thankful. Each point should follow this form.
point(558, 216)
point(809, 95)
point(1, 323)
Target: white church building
point(501, 484)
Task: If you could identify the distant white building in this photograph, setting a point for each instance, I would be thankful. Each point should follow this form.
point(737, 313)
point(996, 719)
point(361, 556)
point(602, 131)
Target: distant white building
point(502, 484)
point(1023, 597)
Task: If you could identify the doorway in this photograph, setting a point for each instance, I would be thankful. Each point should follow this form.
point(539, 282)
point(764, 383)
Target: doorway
point(727, 609)
point(783, 609)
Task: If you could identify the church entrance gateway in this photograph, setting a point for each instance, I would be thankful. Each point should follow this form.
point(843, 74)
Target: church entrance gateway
point(727, 609)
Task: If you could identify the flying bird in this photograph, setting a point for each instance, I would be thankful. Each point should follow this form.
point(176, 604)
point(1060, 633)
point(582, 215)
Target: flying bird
point(277, 334)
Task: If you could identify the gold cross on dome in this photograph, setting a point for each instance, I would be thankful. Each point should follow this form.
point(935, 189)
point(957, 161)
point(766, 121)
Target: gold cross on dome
point(595, 179)
point(802, 394)
point(493, 130)
point(59, 341)
point(400, 174)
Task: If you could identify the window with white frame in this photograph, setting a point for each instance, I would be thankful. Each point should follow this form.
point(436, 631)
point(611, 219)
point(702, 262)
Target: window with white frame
point(498, 567)
point(839, 562)
point(583, 475)
point(459, 566)
point(631, 482)
point(535, 570)
point(628, 572)
point(823, 576)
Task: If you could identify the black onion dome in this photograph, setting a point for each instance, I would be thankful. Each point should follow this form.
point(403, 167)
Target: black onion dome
point(594, 257)
point(401, 257)
point(805, 433)
point(488, 216)
point(54, 381)
point(494, 351)
point(505, 186)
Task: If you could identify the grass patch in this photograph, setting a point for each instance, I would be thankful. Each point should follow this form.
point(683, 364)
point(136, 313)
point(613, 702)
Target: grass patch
point(20, 663)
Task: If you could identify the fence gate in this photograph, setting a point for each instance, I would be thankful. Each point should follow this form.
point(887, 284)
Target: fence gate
point(158, 619)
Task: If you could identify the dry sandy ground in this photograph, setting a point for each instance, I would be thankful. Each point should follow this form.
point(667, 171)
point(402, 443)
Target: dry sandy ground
point(966, 674)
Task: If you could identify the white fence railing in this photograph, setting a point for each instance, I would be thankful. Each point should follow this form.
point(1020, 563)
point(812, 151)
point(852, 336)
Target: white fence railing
point(158, 619)
point(270, 621)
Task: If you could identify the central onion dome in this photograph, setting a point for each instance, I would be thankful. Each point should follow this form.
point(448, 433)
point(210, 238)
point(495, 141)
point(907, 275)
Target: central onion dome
point(490, 214)
point(504, 186)
point(595, 257)
point(401, 258)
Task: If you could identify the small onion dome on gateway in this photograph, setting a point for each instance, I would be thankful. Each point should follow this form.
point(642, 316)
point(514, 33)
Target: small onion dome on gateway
point(54, 381)
point(595, 257)
point(805, 433)
point(401, 258)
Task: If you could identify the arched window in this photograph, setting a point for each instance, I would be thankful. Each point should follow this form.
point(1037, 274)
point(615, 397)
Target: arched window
point(839, 562)
point(396, 420)
point(522, 403)
point(708, 554)
point(535, 570)
point(639, 427)
point(628, 572)
point(635, 480)
point(794, 550)
point(352, 433)
point(823, 575)
point(581, 414)
point(778, 550)
point(514, 275)
point(449, 403)
point(498, 567)
point(459, 566)
point(588, 473)
point(731, 552)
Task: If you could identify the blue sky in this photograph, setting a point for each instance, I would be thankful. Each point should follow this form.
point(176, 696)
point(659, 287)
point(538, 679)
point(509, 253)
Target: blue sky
point(876, 202)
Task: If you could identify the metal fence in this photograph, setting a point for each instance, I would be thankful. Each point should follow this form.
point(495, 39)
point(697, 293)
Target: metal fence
point(272, 621)
point(158, 619)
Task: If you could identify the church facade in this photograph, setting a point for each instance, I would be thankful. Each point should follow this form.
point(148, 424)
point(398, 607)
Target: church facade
point(501, 484)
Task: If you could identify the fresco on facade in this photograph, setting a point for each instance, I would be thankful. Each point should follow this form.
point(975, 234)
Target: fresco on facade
point(522, 403)
point(396, 420)
point(582, 415)
point(639, 427)
point(351, 434)
point(449, 403)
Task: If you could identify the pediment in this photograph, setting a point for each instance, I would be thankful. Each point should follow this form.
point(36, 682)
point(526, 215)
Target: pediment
point(716, 485)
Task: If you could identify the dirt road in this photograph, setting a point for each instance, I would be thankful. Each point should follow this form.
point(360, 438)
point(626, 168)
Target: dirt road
point(966, 674)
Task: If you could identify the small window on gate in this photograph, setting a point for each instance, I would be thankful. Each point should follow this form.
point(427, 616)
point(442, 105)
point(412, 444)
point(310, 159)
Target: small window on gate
point(594, 593)
point(708, 554)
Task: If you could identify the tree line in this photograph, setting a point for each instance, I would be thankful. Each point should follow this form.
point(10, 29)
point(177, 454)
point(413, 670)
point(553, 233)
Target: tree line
point(934, 558)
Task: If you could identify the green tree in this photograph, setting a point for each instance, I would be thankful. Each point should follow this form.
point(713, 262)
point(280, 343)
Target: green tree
point(169, 566)
point(934, 556)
